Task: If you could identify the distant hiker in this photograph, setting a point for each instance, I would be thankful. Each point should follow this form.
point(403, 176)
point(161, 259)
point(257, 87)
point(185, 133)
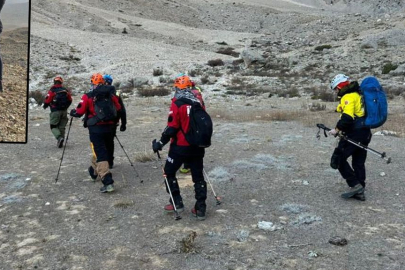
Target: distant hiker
point(181, 151)
point(352, 114)
point(100, 107)
point(59, 100)
point(121, 115)
point(1, 61)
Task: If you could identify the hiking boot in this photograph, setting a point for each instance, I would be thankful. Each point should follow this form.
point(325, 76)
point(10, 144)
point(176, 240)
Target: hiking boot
point(360, 196)
point(352, 191)
point(92, 173)
point(60, 142)
point(184, 170)
point(169, 208)
point(108, 188)
point(200, 215)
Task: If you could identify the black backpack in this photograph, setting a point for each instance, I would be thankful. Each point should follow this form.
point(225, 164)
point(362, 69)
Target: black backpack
point(61, 100)
point(104, 107)
point(200, 129)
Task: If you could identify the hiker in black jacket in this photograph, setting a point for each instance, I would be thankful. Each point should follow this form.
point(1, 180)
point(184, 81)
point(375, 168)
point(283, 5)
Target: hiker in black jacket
point(121, 115)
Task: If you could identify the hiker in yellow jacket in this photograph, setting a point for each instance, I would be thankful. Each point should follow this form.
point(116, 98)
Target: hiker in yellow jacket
point(352, 113)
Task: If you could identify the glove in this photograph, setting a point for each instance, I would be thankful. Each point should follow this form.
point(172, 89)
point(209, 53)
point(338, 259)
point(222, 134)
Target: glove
point(123, 127)
point(157, 146)
point(45, 106)
point(74, 113)
point(334, 132)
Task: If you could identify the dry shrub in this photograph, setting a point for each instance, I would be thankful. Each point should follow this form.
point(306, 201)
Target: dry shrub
point(144, 157)
point(388, 67)
point(38, 96)
point(228, 51)
point(215, 62)
point(204, 80)
point(151, 92)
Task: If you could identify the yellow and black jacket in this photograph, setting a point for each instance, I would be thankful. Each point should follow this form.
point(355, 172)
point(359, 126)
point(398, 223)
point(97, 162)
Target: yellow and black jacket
point(351, 107)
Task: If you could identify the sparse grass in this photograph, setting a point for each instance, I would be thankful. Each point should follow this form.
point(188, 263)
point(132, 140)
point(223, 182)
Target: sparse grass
point(323, 95)
point(388, 67)
point(151, 92)
point(38, 96)
point(394, 123)
point(49, 75)
point(123, 204)
point(144, 156)
point(314, 107)
point(69, 58)
point(288, 93)
point(127, 90)
point(266, 115)
point(322, 47)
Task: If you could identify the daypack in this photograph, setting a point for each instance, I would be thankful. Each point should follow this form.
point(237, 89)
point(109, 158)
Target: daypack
point(104, 107)
point(200, 129)
point(374, 101)
point(61, 100)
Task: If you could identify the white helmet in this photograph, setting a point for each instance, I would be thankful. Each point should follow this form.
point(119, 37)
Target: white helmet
point(337, 80)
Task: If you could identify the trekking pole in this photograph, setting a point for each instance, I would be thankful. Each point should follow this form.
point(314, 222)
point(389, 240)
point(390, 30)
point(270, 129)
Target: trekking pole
point(177, 216)
point(382, 155)
point(132, 165)
point(217, 198)
point(64, 147)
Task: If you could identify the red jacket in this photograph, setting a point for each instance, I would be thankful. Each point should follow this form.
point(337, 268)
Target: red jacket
point(178, 123)
point(86, 106)
point(52, 93)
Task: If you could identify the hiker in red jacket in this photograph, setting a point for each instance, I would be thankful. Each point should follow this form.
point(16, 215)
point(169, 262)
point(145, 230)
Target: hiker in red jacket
point(181, 151)
point(100, 107)
point(59, 100)
point(197, 93)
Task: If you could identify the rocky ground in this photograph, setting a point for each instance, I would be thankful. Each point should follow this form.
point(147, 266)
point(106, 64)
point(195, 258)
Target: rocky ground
point(281, 205)
point(13, 100)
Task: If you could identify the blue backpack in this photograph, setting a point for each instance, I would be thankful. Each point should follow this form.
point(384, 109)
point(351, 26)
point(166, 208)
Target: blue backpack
point(375, 102)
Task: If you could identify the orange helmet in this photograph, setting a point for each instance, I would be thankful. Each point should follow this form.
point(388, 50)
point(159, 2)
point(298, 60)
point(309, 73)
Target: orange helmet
point(97, 79)
point(58, 79)
point(182, 82)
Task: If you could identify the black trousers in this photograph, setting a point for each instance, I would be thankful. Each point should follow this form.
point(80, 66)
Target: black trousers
point(173, 164)
point(355, 174)
point(102, 144)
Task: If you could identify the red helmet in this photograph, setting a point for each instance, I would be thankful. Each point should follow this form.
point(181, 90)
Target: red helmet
point(182, 82)
point(58, 79)
point(97, 79)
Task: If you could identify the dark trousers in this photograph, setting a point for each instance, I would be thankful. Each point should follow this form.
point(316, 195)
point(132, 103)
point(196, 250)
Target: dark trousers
point(101, 144)
point(173, 163)
point(355, 174)
point(111, 147)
